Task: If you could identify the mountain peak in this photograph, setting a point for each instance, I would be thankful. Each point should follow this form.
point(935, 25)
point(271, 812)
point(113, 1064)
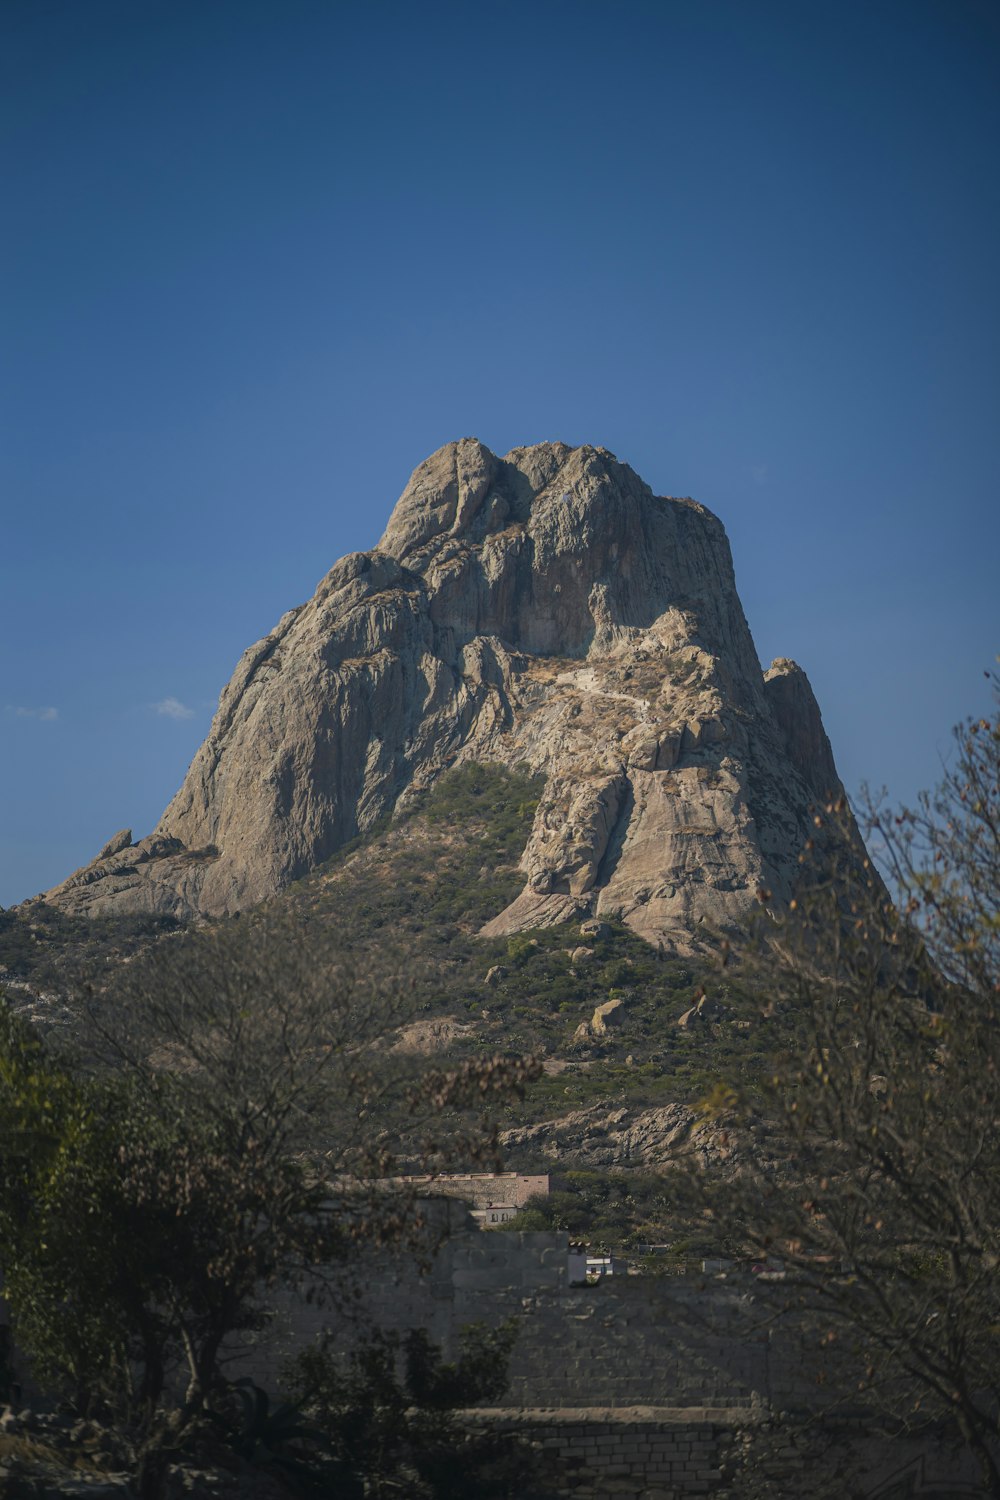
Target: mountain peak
point(546, 609)
point(464, 489)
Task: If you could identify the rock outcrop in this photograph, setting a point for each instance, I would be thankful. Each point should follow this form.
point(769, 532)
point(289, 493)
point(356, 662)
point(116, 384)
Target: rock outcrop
point(545, 608)
point(611, 1013)
point(599, 1136)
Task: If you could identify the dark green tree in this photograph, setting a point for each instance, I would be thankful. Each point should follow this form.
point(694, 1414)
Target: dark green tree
point(214, 1120)
point(390, 1413)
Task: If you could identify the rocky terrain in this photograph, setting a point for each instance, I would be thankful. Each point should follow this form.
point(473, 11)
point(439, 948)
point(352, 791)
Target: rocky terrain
point(544, 611)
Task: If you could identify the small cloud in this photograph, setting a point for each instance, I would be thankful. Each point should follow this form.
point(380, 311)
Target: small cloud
point(47, 715)
point(173, 708)
point(758, 473)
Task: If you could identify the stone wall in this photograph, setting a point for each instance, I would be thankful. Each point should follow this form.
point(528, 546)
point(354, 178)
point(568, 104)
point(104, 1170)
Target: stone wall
point(636, 1387)
point(629, 1342)
point(646, 1453)
point(482, 1189)
point(668, 1341)
point(662, 1453)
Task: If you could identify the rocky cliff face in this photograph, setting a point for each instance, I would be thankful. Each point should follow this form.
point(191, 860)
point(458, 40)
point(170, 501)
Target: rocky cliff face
point(545, 608)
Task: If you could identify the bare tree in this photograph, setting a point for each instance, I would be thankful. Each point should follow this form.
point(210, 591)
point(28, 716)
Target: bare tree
point(886, 1207)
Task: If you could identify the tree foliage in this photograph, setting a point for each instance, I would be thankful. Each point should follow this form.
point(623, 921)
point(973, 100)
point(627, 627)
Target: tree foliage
point(212, 1120)
point(389, 1413)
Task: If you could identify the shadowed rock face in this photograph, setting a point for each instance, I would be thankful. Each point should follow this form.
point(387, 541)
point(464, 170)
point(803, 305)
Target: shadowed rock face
point(543, 608)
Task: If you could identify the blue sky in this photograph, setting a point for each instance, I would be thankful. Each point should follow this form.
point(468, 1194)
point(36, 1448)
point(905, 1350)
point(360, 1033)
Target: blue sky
point(260, 257)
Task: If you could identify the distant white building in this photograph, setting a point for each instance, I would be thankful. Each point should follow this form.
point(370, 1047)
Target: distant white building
point(592, 1265)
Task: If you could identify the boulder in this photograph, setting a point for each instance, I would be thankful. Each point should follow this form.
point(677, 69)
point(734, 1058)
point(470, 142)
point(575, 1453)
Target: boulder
point(611, 1013)
point(605, 1016)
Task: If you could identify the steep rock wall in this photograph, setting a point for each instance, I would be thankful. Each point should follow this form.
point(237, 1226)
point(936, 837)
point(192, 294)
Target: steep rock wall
point(542, 608)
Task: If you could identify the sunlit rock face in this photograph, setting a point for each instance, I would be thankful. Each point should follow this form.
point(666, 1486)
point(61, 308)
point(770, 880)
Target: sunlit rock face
point(547, 609)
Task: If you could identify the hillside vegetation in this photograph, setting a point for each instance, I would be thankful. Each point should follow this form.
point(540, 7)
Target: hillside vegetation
point(420, 890)
point(410, 898)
